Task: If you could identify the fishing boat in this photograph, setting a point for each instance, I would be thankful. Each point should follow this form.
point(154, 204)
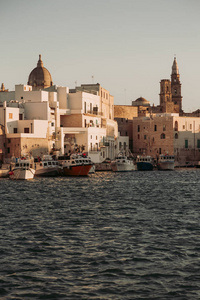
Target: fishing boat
point(122, 163)
point(22, 170)
point(46, 167)
point(165, 162)
point(76, 165)
point(144, 163)
point(4, 170)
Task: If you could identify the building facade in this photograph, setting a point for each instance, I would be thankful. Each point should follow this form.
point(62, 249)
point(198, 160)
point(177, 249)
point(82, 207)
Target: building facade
point(168, 134)
point(41, 118)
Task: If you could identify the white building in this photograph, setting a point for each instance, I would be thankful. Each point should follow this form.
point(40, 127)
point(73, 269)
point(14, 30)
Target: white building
point(53, 119)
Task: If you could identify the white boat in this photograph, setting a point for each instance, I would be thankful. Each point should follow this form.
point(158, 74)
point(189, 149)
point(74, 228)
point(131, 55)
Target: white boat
point(144, 163)
point(46, 167)
point(4, 170)
point(122, 163)
point(22, 170)
point(166, 162)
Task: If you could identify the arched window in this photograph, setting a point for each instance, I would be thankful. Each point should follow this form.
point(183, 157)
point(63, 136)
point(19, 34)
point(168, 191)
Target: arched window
point(162, 136)
point(176, 126)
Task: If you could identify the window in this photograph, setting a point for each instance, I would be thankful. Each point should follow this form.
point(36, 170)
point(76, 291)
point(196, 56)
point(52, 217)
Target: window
point(176, 126)
point(8, 150)
point(138, 128)
point(186, 144)
point(164, 127)
point(176, 136)
point(162, 136)
point(190, 126)
point(9, 141)
point(145, 137)
point(20, 116)
point(14, 130)
point(52, 124)
point(155, 127)
point(198, 143)
point(138, 136)
point(183, 126)
point(10, 115)
point(26, 130)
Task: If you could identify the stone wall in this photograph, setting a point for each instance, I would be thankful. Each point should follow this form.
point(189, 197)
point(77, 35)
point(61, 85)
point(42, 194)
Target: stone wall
point(153, 136)
point(74, 120)
point(125, 111)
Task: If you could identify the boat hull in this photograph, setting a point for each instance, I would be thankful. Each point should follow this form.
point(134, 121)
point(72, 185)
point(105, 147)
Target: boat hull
point(122, 167)
point(22, 174)
point(144, 166)
point(4, 173)
point(47, 172)
point(78, 170)
point(167, 165)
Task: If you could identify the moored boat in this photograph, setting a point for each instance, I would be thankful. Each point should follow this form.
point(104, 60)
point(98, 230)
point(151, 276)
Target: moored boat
point(46, 167)
point(165, 162)
point(123, 163)
point(22, 170)
point(4, 170)
point(76, 165)
point(144, 163)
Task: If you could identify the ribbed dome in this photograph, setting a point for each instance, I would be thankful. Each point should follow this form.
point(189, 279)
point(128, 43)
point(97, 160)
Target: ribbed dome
point(140, 101)
point(40, 77)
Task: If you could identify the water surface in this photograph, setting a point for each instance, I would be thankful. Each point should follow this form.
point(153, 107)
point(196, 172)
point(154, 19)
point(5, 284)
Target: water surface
point(107, 236)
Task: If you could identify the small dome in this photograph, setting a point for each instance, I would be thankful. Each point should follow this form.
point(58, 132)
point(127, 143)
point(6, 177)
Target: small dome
point(40, 77)
point(140, 101)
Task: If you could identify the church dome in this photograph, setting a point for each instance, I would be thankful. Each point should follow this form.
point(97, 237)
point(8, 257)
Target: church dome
point(40, 77)
point(140, 101)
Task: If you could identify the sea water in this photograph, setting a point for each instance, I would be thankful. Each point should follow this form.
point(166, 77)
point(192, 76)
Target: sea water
point(133, 235)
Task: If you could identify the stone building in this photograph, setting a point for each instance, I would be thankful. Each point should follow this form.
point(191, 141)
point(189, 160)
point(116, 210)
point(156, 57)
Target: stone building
point(168, 133)
point(170, 102)
point(124, 115)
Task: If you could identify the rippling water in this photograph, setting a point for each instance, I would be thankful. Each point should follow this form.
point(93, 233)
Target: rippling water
point(108, 236)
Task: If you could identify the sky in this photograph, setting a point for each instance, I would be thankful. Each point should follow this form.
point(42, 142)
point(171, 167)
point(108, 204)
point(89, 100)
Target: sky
point(128, 46)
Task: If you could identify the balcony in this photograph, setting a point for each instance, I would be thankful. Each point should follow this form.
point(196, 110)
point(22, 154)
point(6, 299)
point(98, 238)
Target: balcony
point(94, 112)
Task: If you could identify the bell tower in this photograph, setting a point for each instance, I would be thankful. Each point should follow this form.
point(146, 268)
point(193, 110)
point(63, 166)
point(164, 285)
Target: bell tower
point(166, 103)
point(176, 87)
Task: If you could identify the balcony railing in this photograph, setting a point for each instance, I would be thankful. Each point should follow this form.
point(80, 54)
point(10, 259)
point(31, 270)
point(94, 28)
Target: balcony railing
point(94, 112)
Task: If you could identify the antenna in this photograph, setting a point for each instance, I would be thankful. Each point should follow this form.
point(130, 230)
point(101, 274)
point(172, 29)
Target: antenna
point(92, 79)
point(75, 83)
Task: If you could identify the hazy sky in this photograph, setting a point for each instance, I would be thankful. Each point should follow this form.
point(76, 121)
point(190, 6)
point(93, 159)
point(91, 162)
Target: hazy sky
point(127, 45)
